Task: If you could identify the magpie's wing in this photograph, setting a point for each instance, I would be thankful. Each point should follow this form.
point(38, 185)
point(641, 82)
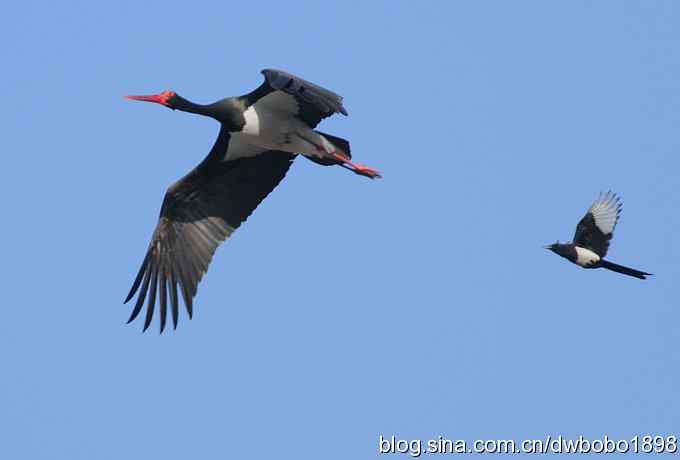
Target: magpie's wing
point(199, 212)
point(596, 228)
point(284, 92)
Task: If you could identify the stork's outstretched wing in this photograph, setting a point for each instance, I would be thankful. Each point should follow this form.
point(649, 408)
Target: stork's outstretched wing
point(199, 212)
point(282, 91)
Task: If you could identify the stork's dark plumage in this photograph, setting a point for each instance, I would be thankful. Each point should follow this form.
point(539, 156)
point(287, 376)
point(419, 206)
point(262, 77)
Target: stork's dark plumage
point(261, 133)
point(593, 233)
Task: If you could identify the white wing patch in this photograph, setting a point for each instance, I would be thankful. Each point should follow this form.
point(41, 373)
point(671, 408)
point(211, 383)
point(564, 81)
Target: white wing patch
point(239, 147)
point(606, 211)
point(273, 109)
point(252, 122)
point(278, 101)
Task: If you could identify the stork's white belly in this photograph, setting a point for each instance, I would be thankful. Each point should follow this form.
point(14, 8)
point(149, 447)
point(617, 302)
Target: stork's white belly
point(279, 130)
point(586, 257)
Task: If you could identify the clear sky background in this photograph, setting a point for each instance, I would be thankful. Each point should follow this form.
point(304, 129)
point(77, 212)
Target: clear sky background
point(419, 305)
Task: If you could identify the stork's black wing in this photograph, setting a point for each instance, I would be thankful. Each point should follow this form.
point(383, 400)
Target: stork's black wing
point(596, 228)
point(199, 212)
point(305, 100)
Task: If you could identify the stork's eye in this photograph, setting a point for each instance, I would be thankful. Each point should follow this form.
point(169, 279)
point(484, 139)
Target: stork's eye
point(167, 95)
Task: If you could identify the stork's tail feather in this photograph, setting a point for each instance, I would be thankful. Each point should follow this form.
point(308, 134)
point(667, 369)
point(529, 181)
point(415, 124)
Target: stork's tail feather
point(625, 270)
point(341, 144)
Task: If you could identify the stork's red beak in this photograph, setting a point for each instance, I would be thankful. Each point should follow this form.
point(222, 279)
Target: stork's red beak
point(162, 98)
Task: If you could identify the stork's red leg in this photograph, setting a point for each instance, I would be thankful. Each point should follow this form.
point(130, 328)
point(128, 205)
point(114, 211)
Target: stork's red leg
point(360, 169)
point(346, 162)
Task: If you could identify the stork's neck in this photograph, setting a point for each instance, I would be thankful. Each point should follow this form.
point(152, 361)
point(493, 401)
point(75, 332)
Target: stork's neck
point(227, 111)
point(185, 105)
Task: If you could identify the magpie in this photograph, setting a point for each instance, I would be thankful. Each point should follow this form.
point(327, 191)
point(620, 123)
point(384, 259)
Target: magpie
point(593, 233)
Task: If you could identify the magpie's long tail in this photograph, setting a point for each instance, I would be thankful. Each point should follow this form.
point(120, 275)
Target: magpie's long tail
point(625, 270)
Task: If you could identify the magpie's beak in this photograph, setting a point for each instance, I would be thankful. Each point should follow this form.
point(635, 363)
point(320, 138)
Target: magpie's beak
point(548, 247)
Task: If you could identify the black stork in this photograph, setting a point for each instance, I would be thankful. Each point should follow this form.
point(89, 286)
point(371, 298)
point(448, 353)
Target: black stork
point(593, 233)
point(260, 135)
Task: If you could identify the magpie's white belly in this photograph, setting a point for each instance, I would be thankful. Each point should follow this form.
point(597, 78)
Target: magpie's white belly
point(586, 257)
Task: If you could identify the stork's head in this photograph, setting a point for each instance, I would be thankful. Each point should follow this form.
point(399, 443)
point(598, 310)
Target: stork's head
point(166, 98)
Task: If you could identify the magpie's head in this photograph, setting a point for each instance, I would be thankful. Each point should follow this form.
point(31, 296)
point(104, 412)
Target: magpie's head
point(551, 247)
point(557, 248)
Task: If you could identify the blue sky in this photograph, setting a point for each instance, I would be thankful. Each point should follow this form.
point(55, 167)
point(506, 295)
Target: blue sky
point(420, 305)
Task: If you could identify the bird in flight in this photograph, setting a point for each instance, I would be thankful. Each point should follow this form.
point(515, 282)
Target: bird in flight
point(260, 135)
point(593, 233)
